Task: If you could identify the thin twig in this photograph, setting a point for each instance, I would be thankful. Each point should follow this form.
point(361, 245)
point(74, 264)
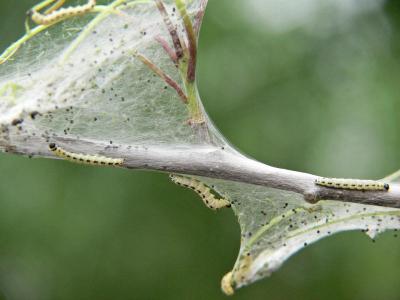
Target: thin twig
point(198, 19)
point(161, 74)
point(167, 49)
point(172, 30)
point(192, 40)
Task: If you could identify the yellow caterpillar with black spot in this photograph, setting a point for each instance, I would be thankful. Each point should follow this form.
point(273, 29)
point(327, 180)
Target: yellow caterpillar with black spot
point(352, 184)
point(209, 196)
point(62, 13)
point(85, 158)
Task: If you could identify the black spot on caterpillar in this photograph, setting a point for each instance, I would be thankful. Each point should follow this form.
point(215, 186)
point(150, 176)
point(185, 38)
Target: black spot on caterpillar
point(84, 158)
point(210, 198)
point(16, 122)
point(352, 184)
point(62, 13)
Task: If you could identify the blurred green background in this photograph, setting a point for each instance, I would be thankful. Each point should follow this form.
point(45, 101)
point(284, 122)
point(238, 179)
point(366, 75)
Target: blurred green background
point(302, 86)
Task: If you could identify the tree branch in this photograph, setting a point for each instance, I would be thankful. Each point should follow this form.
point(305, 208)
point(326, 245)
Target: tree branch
point(215, 162)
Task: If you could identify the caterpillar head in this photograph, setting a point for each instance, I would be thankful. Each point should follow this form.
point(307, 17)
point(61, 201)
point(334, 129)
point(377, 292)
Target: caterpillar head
point(52, 146)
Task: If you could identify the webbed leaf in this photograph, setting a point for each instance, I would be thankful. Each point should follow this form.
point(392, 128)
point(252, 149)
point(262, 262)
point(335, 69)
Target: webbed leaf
point(275, 224)
point(105, 77)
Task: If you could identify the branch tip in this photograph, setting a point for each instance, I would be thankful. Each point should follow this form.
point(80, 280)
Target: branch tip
point(172, 30)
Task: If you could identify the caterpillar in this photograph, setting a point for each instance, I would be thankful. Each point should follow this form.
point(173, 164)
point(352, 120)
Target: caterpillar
point(226, 284)
point(56, 15)
point(210, 198)
point(352, 184)
point(84, 158)
point(238, 275)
